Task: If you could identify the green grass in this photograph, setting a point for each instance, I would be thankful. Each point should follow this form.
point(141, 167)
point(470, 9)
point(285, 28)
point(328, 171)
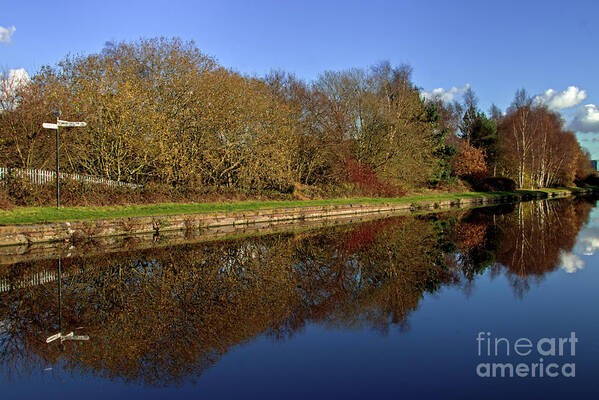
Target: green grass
point(30, 215)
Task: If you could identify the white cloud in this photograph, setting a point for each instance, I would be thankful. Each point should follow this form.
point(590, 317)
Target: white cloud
point(586, 119)
point(555, 100)
point(571, 262)
point(17, 76)
point(446, 95)
point(6, 33)
point(588, 241)
point(9, 85)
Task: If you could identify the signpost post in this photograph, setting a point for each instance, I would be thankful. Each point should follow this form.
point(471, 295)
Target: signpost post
point(65, 124)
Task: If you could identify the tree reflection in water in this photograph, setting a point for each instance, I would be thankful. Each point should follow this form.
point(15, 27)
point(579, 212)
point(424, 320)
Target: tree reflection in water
point(163, 316)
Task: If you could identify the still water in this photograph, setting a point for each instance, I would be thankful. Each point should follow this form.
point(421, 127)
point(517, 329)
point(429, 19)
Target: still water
point(402, 307)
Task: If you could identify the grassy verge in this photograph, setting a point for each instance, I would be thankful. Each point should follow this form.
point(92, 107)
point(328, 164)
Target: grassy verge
point(29, 215)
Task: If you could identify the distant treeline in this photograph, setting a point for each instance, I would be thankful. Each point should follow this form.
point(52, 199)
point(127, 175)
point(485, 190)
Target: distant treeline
point(161, 112)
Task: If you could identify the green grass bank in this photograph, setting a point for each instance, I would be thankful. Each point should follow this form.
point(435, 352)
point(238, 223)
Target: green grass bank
point(32, 215)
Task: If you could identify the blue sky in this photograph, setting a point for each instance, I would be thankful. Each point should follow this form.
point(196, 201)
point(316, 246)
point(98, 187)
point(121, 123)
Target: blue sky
point(495, 46)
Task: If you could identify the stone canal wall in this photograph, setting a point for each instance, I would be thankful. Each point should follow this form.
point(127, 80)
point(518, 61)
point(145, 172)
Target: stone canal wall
point(122, 243)
point(27, 235)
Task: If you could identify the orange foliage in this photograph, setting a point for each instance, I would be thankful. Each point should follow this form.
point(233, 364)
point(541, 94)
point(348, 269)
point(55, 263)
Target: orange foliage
point(469, 235)
point(469, 161)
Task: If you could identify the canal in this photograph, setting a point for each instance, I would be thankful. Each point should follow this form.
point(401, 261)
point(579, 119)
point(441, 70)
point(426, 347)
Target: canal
point(489, 302)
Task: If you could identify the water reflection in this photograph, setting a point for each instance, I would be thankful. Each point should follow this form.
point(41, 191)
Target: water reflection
point(162, 317)
point(525, 243)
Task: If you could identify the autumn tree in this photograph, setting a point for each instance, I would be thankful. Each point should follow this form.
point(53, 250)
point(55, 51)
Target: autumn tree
point(159, 110)
point(469, 162)
point(23, 142)
point(584, 168)
point(321, 146)
point(387, 124)
point(536, 149)
point(479, 131)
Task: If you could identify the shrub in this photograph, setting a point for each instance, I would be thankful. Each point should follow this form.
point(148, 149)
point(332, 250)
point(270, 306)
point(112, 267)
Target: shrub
point(5, 202)
point(360, 180)
point(469, 162)
point(589, 180)
point(364, 177)
point(20, 191)
point(494, 184)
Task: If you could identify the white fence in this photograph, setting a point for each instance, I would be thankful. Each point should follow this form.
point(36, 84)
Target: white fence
point(38, 278)
point(40, 177)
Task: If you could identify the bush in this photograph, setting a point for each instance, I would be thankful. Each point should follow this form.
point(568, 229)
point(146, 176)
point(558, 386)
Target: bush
point(21, 192)
point(364, 177)
point(5, 202)
point(469, 161)
point(590, 180)
point(493, 184)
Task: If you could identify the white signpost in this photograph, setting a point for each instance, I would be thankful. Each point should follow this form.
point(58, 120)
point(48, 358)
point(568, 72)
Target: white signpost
point(68, 336)
point(49, 126)
point(64, 124)
point(68, 124)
